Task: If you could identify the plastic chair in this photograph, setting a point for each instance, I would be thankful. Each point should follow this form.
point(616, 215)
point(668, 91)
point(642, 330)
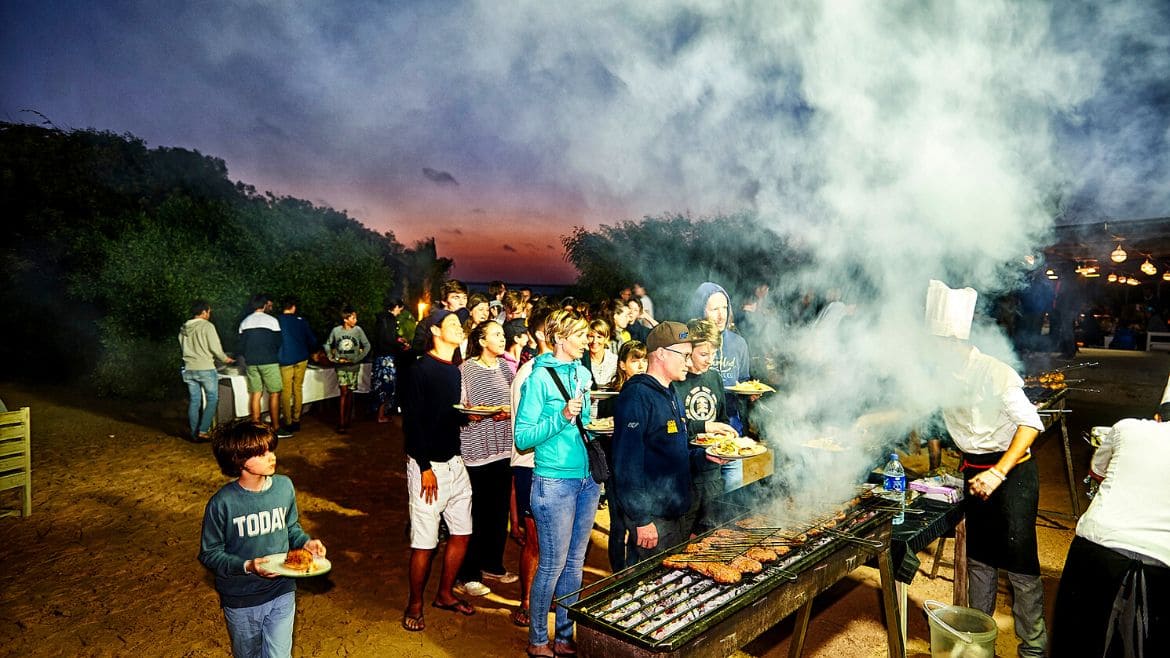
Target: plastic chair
point(16, 458)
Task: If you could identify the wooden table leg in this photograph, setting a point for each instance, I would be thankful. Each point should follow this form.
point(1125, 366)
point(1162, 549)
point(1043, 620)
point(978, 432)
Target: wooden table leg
point(796, 647)
point(1073, 497)
point(959, 593)
point(894, 634)
point(901, 588)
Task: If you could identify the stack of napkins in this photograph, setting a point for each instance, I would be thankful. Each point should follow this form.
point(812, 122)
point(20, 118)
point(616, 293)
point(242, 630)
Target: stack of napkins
point(945, 488)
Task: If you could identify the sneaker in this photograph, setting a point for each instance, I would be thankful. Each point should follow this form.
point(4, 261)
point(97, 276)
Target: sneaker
point(284, 433)
point(295, 427)
point(505, 578)
point(473, 588)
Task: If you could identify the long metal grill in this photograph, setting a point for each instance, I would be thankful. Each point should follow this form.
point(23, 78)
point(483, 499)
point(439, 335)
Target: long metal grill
point(659, 609)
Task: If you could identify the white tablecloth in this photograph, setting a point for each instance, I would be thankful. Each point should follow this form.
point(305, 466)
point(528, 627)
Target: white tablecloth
point(320, 384)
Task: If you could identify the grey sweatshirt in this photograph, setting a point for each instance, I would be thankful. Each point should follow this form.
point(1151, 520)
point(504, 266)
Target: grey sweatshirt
point(200, 343)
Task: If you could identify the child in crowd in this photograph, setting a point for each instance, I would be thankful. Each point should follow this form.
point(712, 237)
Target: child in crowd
point(347, 347)
point(250, 517)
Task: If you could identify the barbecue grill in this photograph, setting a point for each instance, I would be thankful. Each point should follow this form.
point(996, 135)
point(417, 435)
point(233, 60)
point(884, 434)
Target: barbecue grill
point(650, 610)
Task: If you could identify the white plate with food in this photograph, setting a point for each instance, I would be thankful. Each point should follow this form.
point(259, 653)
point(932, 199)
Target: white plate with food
point(601, 425)
point(300, 566)
point(483, 409)
point(751, 387)
point(705, 439)
point(736, 447)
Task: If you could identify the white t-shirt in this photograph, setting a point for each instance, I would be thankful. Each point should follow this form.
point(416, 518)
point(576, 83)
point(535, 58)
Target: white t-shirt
point(994, 405)
point(1131, 510)
point(525, 458)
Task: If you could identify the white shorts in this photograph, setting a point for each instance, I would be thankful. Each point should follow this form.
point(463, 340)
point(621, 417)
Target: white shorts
point(453, 502)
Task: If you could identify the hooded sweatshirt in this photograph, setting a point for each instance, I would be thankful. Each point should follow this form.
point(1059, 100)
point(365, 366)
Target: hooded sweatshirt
point(200, 344)
point(560, 450)
point(652, 460)
point(733, 362)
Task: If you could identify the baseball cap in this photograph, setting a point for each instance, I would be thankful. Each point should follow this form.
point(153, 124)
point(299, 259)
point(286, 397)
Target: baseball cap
point(666, 334)
point(513, 328)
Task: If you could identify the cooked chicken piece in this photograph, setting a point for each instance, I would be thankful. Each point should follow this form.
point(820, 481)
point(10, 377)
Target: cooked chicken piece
point(724, 573)
point(746, 564)
point(676, 561)
point(761, 554)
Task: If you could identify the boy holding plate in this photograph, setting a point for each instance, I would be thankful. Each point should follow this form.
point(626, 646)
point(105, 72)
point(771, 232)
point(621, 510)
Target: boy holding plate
point(253, 516)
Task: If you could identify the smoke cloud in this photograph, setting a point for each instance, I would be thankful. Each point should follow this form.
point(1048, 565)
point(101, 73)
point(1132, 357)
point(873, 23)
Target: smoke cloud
point(892, 142)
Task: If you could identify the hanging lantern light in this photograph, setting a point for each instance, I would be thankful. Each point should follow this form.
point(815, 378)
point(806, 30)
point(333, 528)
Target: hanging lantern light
point(1121, 279)
point(1149, 268)
point(1118, 255)
point(1112, 278)
point(1134, 282)
point(1166, 275)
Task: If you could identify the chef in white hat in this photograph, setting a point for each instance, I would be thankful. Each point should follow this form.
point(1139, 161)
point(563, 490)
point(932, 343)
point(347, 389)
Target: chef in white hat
point(994, 424)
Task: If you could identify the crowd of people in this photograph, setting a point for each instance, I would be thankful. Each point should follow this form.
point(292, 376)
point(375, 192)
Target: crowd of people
point(498, 393)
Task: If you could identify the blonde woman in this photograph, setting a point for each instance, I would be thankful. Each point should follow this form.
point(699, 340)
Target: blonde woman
point(564, 496)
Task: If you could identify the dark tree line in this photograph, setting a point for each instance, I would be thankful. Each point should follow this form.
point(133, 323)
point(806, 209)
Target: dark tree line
point(673, 254)
point(106, 243)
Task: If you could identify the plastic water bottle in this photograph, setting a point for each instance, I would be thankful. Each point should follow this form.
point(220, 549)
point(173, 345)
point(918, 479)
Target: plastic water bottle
point(895, 486)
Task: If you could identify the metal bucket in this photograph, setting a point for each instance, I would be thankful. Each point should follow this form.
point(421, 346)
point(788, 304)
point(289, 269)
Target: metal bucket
point(958, 632)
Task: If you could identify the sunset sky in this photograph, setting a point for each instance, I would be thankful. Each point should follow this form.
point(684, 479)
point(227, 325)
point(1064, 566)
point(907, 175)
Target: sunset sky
point(497, 127)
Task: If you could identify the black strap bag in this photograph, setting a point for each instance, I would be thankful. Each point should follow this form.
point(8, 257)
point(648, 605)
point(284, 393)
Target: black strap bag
point(598, 467)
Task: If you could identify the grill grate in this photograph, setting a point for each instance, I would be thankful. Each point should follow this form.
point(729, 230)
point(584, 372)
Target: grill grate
point(661, 609)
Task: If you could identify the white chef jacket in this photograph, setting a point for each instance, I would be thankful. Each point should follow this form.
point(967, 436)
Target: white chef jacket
point(994, 405)
point(1131, 510)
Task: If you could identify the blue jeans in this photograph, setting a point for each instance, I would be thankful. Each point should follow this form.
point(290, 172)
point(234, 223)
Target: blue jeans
point(264, 630)
point(563, 510)
point(200, 383)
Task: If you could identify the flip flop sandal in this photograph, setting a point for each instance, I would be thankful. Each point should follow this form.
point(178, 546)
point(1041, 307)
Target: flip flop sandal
point(460, 606)
point(520, 618)
point(413, 624)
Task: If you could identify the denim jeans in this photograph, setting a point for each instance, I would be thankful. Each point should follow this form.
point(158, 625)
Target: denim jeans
point(564, 510)
point(263, 630)
point(200, 383)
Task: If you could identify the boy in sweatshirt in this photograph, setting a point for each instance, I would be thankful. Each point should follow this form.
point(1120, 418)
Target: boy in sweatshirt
point(250, 517)
point(260, 342)
point(347, 346)
point(201, 348)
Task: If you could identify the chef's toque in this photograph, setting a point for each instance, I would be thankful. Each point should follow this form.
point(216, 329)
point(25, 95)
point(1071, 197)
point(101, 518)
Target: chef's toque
point(948, 311)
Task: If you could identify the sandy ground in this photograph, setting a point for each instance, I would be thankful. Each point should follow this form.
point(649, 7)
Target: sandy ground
point(106, 564)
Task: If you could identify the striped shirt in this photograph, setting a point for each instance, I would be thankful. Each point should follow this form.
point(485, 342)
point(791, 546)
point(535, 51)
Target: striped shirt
point(487, 440)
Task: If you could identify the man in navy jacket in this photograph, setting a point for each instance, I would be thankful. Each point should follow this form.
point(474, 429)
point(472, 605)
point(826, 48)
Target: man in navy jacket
point(652, 457)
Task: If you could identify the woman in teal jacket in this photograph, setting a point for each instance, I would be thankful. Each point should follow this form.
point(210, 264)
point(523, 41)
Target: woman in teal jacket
point(564, 495)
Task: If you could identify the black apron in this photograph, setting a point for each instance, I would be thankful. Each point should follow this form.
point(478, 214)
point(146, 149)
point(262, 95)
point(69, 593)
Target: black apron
point(1001, 531)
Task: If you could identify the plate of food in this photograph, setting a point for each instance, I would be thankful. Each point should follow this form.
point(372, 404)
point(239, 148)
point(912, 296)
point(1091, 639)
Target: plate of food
point(601, 425)
point(710, 438)
point(824, 443)
point(736, 447)
point(602, 393)
point(483, 409)
point(297, 563)
point(751, 387)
